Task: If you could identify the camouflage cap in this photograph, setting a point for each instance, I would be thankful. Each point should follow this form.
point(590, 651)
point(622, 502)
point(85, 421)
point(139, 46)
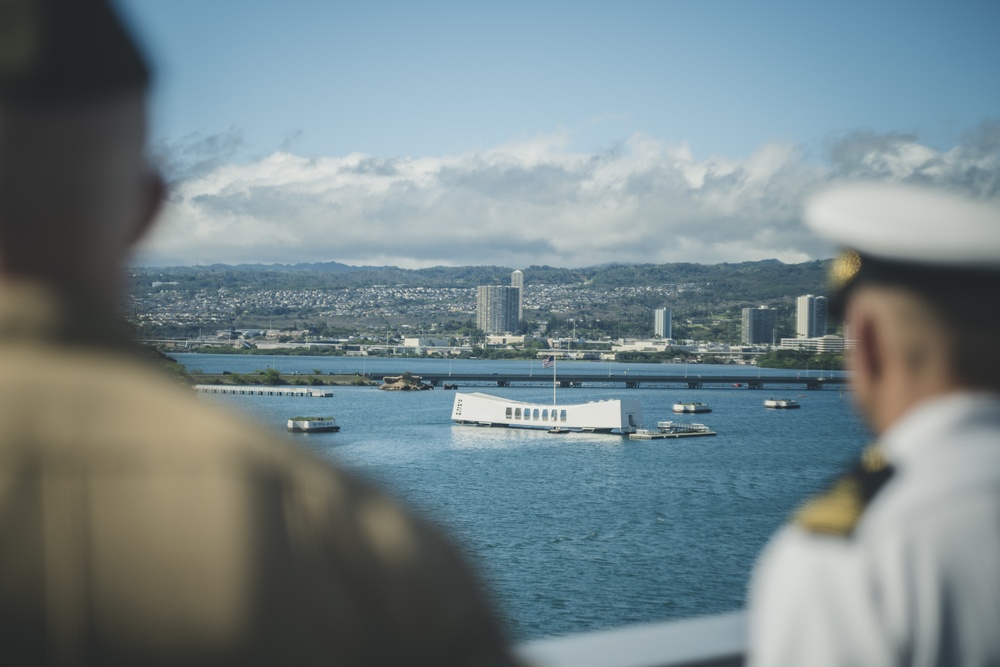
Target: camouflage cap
point(55, 51)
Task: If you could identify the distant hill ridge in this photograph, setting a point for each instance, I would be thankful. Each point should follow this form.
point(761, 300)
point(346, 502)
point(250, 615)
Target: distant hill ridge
point(561, 274)
point(761, 280)
point(319, 267)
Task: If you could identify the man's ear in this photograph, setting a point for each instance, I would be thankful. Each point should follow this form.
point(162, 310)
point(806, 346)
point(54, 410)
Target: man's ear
point(866, 360)
point(153, 198)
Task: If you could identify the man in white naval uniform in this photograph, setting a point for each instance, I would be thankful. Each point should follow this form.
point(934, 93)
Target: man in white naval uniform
point(899, 562)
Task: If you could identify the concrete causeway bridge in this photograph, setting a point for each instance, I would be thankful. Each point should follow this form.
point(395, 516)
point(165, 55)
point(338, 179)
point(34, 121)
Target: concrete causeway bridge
point(628, 380)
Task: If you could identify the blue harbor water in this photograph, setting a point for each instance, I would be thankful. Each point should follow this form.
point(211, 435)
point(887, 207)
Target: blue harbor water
point(577, 532)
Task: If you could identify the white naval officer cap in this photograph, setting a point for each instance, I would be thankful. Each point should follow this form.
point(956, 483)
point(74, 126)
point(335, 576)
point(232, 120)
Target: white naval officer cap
point(928, 239)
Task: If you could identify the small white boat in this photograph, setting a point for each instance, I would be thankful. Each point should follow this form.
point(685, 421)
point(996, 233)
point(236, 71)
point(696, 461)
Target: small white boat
point(313, 425)
point(692, 407)
point(781, 403)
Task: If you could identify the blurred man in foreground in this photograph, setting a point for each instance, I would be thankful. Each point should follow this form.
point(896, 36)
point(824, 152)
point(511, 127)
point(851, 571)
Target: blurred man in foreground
point(899, 562)
point(138, 527)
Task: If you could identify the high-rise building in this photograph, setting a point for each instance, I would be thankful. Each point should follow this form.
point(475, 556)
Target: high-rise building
point(760, 326)
point(810, 316)
point(496, 308)
point(663, 324)
point(517, 280)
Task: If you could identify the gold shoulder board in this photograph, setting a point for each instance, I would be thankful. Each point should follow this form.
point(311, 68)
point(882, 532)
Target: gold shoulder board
point(837, 510)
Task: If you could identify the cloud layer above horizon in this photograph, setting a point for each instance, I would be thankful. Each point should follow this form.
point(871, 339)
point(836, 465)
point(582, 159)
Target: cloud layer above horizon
point(533, 202)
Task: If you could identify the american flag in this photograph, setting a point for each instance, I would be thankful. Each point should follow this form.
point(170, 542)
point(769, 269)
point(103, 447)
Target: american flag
point(548, 361)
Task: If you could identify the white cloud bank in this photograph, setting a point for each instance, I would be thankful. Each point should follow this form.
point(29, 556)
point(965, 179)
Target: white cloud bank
point(533, 202)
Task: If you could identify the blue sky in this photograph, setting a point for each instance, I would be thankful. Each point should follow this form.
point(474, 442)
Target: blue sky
point(562, 133)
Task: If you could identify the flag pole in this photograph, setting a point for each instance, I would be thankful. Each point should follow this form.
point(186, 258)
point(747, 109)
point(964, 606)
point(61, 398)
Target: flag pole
point(551, 361)
point(553, 381)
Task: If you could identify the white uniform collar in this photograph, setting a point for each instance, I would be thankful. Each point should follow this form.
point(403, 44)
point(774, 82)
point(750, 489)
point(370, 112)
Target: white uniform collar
point(932, 422)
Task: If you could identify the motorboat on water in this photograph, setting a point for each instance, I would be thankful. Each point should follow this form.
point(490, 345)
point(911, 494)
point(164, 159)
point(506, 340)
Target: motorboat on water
point(691, 407)
point(313, 425)
point(781, 403)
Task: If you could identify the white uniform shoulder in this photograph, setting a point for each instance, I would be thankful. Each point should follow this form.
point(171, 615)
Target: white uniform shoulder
point(857, 583)
point(809, 592)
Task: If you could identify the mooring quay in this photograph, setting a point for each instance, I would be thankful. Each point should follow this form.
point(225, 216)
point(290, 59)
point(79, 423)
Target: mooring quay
point(627, 380)
point(258, 390)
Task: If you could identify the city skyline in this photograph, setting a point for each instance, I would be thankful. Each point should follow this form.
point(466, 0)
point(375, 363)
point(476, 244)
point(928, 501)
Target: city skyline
point(565, 134)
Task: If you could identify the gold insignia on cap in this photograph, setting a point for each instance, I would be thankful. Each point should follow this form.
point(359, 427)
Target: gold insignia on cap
point(18, 36)
point(844, 268)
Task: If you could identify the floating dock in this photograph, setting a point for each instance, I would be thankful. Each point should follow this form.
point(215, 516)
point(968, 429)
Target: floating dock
point(661, 435)
point(666, 430)
point(243, 390)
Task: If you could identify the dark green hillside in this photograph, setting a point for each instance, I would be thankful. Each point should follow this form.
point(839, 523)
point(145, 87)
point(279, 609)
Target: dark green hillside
point(763, 280)
point(612, 300)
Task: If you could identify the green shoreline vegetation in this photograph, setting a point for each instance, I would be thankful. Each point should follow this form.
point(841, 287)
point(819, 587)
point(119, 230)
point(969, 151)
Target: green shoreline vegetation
point(266, 377)
point(801, 360)
point(272, 377)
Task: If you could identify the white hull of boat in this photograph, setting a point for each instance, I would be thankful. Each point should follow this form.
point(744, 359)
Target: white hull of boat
point(691, 407)
point(313, 425)
point(611, 416)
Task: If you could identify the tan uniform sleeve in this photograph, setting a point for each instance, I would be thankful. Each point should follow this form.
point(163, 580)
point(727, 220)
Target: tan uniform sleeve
point(385, 587)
